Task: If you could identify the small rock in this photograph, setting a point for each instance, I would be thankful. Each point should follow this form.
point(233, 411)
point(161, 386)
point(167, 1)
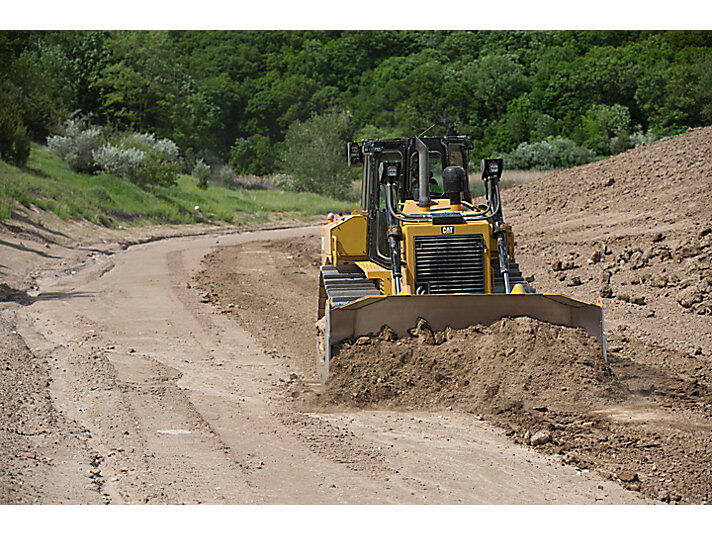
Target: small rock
point(527, 437)
point(541, 437)
point(689, 297)
point(628, 476)
point(423, 332)
point(387, 334)
point(658, 237)
point(595, 257)
point(363, 340)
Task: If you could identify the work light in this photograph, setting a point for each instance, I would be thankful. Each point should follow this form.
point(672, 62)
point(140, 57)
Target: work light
point(492, 168)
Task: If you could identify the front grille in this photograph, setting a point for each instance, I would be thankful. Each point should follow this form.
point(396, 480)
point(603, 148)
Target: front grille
point(449, 264)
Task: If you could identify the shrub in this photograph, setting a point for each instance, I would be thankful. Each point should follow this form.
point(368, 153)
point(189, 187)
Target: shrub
point(155, 170)
point(76, 143)
point(283, 181)
point(640, 138)
point(314, 154)
point(14, 142)
point(146, 142)
point(549, 153)
point(119, 161)
point(227, 175)
point(254, 155)
point(168, 149)
point(201, 172)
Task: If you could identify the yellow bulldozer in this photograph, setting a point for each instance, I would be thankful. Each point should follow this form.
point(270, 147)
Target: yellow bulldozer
point(419, 246)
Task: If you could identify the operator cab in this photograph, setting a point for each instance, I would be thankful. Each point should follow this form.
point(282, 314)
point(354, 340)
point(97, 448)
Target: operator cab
point(400, 156)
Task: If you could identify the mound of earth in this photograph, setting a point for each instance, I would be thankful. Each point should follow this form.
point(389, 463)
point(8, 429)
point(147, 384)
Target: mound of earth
point(513, 362)
point(635, 229)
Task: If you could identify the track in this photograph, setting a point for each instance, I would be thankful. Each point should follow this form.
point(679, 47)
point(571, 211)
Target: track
point(172, 401)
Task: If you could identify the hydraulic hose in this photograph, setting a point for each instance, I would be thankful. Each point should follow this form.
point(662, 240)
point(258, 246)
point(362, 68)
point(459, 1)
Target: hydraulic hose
point(395, 235)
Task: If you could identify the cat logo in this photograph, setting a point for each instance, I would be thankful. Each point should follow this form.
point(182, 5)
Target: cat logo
point(448, 229)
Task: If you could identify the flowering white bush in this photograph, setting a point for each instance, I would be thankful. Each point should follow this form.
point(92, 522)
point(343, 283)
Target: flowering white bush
point(640, 138)
point(147, 139)
point(168, 149)
point(552, 152)
point(76, 144)
point(124, 162)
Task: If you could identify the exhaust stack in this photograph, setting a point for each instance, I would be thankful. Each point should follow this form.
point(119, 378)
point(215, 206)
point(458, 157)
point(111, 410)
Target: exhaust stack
point(423, 174)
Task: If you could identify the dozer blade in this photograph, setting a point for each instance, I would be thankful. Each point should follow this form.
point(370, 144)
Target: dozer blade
point(401, 312)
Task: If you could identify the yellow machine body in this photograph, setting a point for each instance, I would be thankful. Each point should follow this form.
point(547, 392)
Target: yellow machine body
point(344, 240)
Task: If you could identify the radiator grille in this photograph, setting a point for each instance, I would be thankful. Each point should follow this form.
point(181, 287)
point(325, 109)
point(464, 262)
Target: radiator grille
point(449, 264)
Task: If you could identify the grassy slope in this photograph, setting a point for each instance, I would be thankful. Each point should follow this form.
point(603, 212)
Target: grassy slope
point(49, 184)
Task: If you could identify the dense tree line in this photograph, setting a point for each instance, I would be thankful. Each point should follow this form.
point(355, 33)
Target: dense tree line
point(233, 96)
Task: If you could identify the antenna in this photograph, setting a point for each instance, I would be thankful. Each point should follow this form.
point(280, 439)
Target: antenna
point(426, 130)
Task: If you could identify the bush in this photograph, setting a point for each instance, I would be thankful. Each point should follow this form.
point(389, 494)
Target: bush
point(155, 170)
point(146, 142)
point(118, 161)
point(168, 149)
point(254, 155)
point(547, 154)
point(14, 142)
point(226, 175)
point(76, 144)
point(201, 172)
point(641, 138)
point(315, 154)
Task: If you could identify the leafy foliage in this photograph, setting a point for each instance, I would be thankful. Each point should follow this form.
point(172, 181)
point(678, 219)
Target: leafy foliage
point(549, 153)
point(314, 154)
point(254, 155)
point(155, 169)
point(124, 162)
point(233, 96)
point(201, 171)
point(14, 142)
point(76, 144)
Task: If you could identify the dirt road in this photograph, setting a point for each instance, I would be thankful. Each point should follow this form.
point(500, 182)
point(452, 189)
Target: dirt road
point(144, 394)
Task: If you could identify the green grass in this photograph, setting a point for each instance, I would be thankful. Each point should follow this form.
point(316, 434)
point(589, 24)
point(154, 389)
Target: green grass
point(48, 183)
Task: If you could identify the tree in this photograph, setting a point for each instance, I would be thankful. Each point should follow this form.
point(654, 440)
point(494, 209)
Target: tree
point(315, 154)
point(254, 155)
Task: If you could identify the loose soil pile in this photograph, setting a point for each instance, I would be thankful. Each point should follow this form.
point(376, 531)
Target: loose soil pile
point(518, 362)
point(635, 229)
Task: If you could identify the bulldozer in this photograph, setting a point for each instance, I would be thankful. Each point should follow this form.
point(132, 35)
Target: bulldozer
point(420, 247)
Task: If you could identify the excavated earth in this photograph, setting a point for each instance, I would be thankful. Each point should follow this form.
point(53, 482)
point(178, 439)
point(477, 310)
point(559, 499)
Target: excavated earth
point(634, 229)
